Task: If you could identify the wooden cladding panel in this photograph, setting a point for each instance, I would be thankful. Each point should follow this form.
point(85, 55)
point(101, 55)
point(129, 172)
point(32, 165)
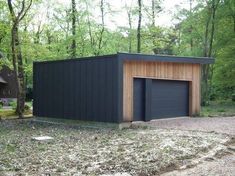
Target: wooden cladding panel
point(160, 70)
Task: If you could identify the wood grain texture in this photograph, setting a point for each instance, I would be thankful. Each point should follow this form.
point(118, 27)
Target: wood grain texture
point(160, 70)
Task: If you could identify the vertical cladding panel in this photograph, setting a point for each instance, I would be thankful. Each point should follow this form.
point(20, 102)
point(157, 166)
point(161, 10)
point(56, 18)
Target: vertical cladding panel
point(77, 91)
point(99, 89)
point(119, 86)
point(94, 90)
point(43, 95)
point(83, 90)
point(96, 105)
point(68, 89)
point(87, 90)
point(103, 96)
point(109, 82)
point(48, 86)
point(58, 90)
point(196, 89)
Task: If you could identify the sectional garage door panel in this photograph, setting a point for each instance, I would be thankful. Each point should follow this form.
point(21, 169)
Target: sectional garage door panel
point(169, 99)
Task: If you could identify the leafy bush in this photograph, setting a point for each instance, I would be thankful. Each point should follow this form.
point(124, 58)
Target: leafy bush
point(233, 97)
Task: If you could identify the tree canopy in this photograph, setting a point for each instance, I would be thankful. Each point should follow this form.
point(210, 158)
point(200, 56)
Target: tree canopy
point(51, 31)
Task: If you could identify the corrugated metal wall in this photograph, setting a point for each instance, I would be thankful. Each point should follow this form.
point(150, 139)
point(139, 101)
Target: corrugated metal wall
point(85, 89)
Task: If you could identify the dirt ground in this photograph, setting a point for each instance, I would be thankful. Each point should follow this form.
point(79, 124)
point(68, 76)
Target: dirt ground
point(142, 151)
point(103, 151)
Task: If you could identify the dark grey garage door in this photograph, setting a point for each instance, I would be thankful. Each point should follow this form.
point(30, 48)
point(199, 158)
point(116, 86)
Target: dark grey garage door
point(154, 99)
point(169, 99)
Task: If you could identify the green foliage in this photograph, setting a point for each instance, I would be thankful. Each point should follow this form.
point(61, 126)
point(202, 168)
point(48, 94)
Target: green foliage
point(47, 36)
point(224, 76)
point(233, 97)
point(219, 109)
point(192, 29)
point(13, 104)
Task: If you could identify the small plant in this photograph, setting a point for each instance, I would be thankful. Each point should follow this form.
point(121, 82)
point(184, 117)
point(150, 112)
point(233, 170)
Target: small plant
point(10, 148)
point(13, 104)
point(26, 107)
point(221, 110)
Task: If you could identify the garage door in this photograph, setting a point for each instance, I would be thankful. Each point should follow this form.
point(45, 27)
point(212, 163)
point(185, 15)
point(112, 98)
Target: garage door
point(169, 99)
point(155, 99)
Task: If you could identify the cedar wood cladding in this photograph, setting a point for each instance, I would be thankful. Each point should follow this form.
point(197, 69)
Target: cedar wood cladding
point(101, 88)
point(160, 70)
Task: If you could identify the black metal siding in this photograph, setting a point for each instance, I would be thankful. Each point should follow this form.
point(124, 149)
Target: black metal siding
point(77, 89)
point(139, 99)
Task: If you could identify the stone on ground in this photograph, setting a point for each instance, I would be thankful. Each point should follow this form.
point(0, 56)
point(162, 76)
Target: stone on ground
point(42, 138)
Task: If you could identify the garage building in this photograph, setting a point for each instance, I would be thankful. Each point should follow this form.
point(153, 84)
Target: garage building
point(121, 87)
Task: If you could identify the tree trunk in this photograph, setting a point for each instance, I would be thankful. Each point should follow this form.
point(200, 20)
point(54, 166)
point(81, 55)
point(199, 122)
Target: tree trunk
point(73, 46)
point(214, 8)
point(191, 28)
point(205, 67)
point(19, 70)
point(139, 27)
point(153, 13)
point(17, 59)
point(130, 30)
point(208, 48)
point(102, 28)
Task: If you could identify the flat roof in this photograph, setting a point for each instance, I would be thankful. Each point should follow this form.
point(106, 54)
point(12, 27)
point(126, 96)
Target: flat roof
point(166, 58)
point(143, 57)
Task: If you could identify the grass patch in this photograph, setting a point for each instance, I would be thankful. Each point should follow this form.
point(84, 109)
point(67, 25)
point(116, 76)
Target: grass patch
point(10, 113)
point(219, 108)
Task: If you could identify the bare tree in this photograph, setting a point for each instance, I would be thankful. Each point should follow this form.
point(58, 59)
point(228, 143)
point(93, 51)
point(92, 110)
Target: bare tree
point(130, 29)
point(153, 13)
point(191, 26)
point(92, 41)
point(139, 26)
point(17, 59)
point(102, 28)
point(129, 15)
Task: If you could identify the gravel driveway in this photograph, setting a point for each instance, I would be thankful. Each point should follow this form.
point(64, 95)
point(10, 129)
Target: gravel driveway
point(216, 124)
point(223, 165)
